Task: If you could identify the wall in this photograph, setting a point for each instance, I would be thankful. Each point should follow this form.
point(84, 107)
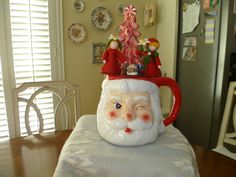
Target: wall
point(78, 66)
point(167, 28)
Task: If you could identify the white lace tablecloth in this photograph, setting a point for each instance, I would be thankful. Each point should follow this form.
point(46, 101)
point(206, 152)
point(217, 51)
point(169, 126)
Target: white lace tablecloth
point(86, 154)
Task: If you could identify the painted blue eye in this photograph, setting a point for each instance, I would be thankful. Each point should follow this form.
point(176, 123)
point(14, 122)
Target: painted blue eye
point(117, 105)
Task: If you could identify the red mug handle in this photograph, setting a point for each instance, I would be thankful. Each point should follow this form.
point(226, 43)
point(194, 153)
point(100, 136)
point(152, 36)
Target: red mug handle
point(165, 81)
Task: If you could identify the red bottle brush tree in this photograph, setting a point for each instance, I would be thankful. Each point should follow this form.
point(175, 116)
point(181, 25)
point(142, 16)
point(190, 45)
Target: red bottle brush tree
point(129, 34)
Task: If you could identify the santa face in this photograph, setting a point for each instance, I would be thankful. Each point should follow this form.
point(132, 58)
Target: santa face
point(129, 112)
point(125, 112)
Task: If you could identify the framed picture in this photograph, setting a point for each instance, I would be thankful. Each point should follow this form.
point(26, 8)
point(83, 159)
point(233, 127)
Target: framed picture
point(98, 49)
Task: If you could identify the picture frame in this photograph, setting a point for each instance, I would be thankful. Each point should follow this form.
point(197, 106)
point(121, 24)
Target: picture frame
point(98, 49)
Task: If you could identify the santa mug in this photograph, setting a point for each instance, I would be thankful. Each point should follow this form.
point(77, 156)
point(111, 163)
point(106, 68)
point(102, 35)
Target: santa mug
point(129, 112)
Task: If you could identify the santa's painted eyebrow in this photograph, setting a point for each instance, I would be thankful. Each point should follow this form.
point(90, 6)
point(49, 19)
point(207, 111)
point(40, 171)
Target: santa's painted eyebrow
point(141, 97)
point(115, 95)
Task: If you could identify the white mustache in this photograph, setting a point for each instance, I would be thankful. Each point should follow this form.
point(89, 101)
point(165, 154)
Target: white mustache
point(139, 124)
point(136, 124)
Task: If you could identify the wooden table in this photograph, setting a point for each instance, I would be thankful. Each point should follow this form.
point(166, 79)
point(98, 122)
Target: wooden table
point(32, 156)
point(37, 156)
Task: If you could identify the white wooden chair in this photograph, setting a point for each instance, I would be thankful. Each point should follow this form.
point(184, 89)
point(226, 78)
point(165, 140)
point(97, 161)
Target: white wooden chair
point(29, 101)
point(229, 113)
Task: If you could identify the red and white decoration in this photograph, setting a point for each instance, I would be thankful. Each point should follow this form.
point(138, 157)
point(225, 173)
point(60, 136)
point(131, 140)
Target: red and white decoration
point(128, 35)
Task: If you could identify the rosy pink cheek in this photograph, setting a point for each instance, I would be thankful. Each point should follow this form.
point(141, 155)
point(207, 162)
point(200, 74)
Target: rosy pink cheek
point(146, 117)
point(112, 114)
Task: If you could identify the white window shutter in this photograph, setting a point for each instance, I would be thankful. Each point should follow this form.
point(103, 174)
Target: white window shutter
point(31, 55)
point(30, 40)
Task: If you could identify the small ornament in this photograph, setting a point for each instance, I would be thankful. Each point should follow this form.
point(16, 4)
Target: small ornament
point(112, 57)
point(143, 41)
point(151, 59)
point(132, 70)
point(77, 33)
point(142, 45)
point(101, 18)
point(78, 5)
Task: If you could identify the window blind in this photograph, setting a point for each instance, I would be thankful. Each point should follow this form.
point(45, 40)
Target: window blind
point(31, 55)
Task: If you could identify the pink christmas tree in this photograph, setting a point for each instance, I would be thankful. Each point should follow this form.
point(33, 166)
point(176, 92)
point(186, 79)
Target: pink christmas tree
point(128, 35)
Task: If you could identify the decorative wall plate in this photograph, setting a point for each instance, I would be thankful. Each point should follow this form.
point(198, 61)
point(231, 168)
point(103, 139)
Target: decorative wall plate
point(78, 5)
point(77, 33)
point(101, 18)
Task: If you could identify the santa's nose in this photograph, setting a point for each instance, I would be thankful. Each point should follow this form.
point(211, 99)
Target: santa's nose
point(128, 116)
